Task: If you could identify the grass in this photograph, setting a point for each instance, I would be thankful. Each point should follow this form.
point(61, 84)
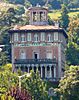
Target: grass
point(71, 14)
point(55, 15)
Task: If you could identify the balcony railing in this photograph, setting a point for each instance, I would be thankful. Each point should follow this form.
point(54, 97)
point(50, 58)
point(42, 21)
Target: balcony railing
point(35, 61)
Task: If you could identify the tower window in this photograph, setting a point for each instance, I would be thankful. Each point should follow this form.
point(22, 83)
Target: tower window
point(42, 36)
point(36, 38)
point(49, 37)
point(15, 36)
point(22, 54)
point(29, 37)
point(55, 36)
point(22, 37)
point(34, 16)
point(49, 55)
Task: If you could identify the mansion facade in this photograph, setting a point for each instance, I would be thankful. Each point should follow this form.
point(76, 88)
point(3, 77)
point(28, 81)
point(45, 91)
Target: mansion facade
point(39, 46)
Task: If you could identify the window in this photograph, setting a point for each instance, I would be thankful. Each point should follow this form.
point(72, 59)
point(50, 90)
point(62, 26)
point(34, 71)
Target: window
point(49, 37)
point(15, 36)
point(49, 55)
point(36, 55)
point(22, 54)
point(22, 37)
point(34, 16)
point(42, 36)
point(29, 37)
point(56, 36)
point(36, 38)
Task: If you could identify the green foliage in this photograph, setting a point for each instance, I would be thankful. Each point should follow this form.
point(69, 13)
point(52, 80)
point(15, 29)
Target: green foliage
point(72, 53)
point(69, 84)
point(9, 18)
point(7, 80)
point(36, 86)
point(55, 4)
point(3, 58)
point(19, 94)
point(5, 97)
point(64, 17)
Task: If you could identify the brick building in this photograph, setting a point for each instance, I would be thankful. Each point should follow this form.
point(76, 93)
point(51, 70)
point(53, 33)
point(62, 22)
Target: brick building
point(39, 45)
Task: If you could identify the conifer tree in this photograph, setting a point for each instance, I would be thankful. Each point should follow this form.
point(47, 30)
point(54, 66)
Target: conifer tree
point(64, 17)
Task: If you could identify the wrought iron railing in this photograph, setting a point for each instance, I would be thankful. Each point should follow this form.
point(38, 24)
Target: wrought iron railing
point(35, 61)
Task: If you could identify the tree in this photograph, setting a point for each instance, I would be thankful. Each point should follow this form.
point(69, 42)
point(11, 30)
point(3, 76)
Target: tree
point(69, 84)
point(73, 42)
point(64, 17)
point(36, 86)
point(3, 58)
point(8, 19)
point(7, 80)
point(19, 95)
point(72, 54)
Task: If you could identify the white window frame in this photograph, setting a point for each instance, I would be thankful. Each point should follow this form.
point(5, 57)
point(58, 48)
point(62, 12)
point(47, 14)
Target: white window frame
point(22, 37)
point(49, 55)
point(29, 37)
point(22, 56)
point(49, 37)
point(42, 36)
point(56, 36)
point(36, 37)
point(15, 36)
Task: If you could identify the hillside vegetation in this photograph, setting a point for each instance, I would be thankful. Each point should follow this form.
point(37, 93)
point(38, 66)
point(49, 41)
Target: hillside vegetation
point(56, 14)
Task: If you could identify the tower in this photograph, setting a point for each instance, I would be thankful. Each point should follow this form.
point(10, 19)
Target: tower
point(39, 46)
point(38, 15)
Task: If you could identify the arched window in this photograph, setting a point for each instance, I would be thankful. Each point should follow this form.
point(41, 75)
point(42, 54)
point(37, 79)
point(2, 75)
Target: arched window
point(29, 37)
point(15, 36)
point(49, 55)
point(22, 37)
point(36, 38)
point(56, 36)
point(49, 37)
point(42, 36)
point(22, 54)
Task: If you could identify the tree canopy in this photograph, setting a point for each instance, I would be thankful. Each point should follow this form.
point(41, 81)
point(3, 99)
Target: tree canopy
point(69, 84)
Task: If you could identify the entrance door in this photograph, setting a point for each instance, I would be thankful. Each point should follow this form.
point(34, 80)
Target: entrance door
point(36, 55)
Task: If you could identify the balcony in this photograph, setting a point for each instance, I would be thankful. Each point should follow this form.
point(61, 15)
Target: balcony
point(35, 61)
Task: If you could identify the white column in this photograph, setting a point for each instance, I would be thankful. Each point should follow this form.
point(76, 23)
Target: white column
point(13, 66)
point(37, 68)
point(41, 71)
point(50, 71)
point(32, 18)
point(33, 68)
point(54, 71)
point(45, 71)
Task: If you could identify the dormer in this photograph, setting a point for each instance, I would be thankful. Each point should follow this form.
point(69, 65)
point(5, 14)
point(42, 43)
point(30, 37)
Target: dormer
point(38, 15)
